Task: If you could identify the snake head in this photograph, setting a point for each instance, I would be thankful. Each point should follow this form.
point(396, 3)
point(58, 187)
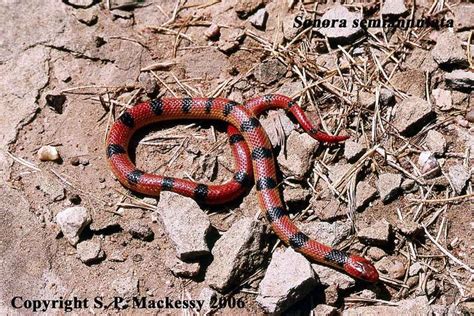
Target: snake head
point(361, 268)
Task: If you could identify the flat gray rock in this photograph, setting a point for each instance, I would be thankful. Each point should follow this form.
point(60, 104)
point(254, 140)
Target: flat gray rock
point(270, 71)
point(463, 17)
point(459, 175)
point(259, 18)
point(237, 254)
point(389, 186)
point(460, 79)
point(186, 224)
point(378, 234)
point(416, 306)
point(278, 126)
point(340, 33)
point(364, 194)
point(72, 221)
point(90, 251)
point(299, 153)
point(353, 150)
point(183, 269)
point(443, 99)
point(329, 276)
point(411, 115)
point(436, 142)
point(448, 51)
point(330, 234)
point(288, 279)
point(393, 8)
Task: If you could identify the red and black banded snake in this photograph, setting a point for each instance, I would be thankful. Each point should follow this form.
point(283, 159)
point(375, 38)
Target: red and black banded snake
point(253, 156)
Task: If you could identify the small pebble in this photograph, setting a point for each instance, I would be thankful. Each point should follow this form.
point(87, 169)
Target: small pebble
point(74, 161)
point(213, 32)
point(48, 153)
point(141, 231)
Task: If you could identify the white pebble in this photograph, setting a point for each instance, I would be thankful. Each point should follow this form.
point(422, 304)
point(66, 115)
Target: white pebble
point(48, 153)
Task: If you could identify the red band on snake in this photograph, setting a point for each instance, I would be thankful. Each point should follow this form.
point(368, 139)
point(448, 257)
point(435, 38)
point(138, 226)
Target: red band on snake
point(253, 156)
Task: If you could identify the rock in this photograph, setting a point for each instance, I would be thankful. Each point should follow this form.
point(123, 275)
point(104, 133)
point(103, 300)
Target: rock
point(56, 102)
point(324, 310)
point(213, 32)
point(116, 256)
point(376, 253)
point(463, 17)
point(411, 115)
point(290, 88)
point(365, 193)
point(409, 228)
point(328, 210)
point(353, 150)
point(183, 269)
point(388, 185)
point(80, 3)
point(141, 231)
point(458, 175)
point(338, 171)
point(90, 251)
point(443, 99)
point(270, 71)
point(121, 14)
point(329, 276)
point(289, 31)
point(237, 254)
point(51, 187)
point(72, 221)
point(431, 287)
point(415, 86)
point(408, 185)
point(48, 153)
point(284, 284)
point(278, 126)
point(416, 306)
point(448, 51)
point(367, 294)
point(300, 150)
point(230, 40)
point(331, 294)
point(376, 234)
point(126, 287)
point(435, 142)
point(245, 8)
point(185, 223)
point(421, 59)
point(415, 269)
point(207, 294)
point(391, 266)
point(330, 234)
point(341, 34)
point(148, 83)
point(393, 8)
point(470, 116)
point(462, 80)
point(259, 19)
point(87, 17)
point(294, 196)
point(429, 165)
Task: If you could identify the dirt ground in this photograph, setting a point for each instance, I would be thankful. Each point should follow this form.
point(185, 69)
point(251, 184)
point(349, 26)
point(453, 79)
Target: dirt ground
point(67, 72)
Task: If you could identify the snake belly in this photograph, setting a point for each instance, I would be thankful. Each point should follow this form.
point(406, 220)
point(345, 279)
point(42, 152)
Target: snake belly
point(253, 156)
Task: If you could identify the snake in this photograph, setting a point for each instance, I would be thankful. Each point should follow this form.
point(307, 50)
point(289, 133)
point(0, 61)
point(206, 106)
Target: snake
point(254, 163)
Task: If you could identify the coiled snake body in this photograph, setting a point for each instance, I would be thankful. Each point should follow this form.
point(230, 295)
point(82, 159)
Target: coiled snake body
point(253, 154)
